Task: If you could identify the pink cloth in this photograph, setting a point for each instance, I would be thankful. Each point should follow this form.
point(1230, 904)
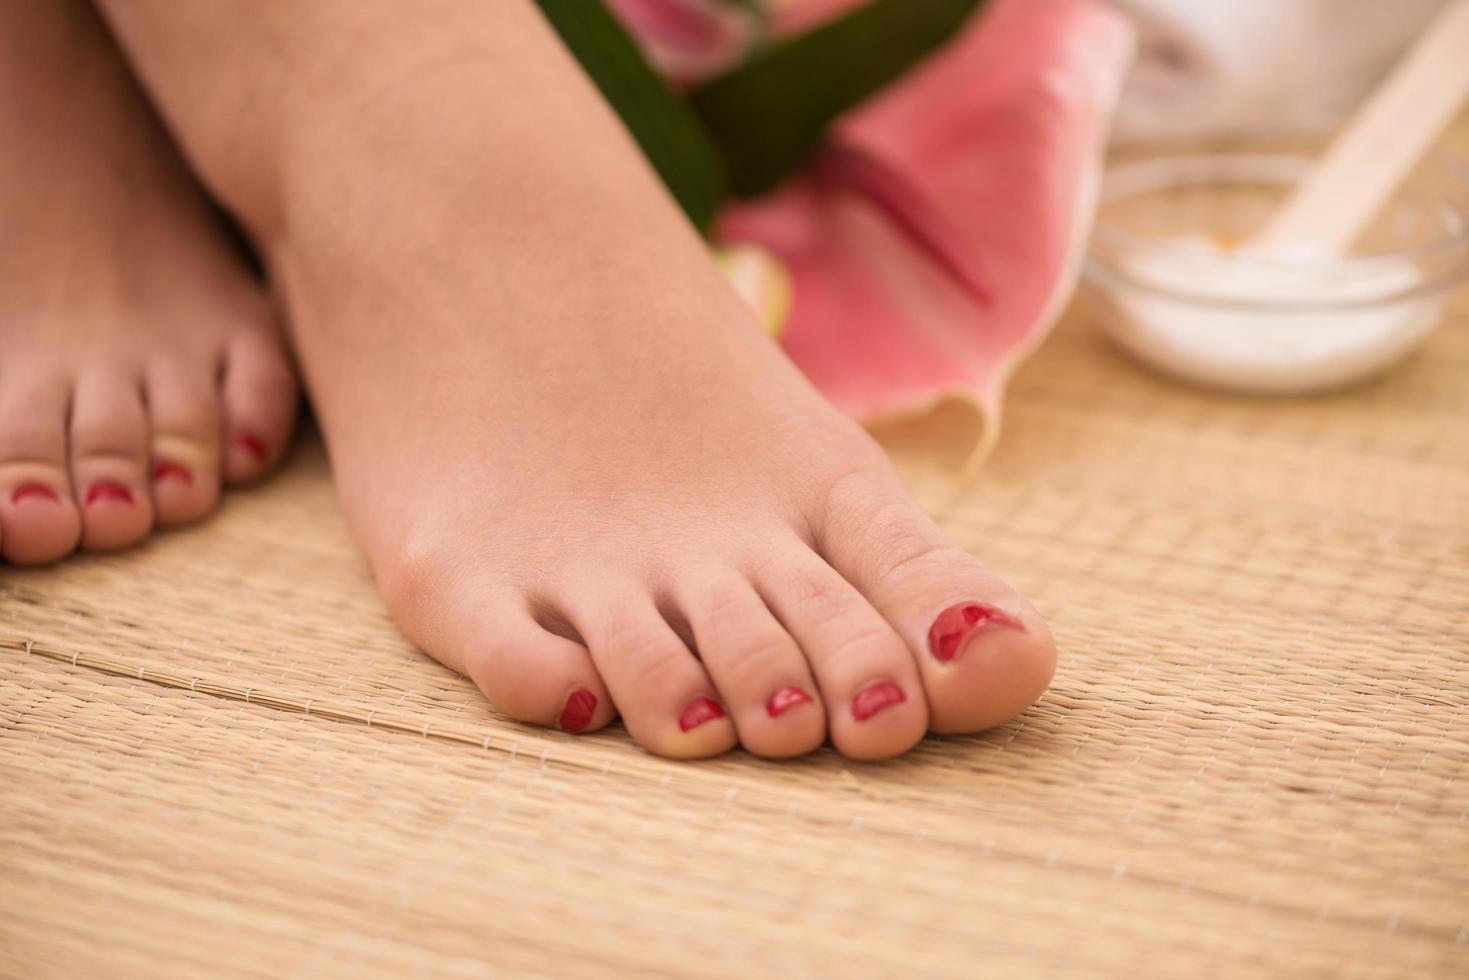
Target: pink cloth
point(936, 238)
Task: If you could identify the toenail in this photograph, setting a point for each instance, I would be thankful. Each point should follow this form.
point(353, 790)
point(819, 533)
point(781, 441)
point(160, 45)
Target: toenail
point(109, 490)
point(785, 699)
point(957, 623)
point(577, 714)
point(251, 444)
point(875, 697)
point(33, 490)
point(698, 712)
point(168, 470)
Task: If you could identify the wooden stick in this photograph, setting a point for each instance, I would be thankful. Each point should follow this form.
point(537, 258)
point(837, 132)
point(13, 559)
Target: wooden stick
point(1380, 146)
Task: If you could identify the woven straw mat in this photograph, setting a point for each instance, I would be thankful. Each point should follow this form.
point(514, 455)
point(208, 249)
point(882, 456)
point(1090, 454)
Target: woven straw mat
point(218, 757)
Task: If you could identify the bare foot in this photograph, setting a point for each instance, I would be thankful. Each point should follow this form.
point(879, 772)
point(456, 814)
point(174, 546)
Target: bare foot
point(581, 473)
point(139, 361)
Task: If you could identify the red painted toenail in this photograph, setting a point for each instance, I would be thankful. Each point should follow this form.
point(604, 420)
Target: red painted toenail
point(957, 623)
point(109, 490)
point(785, 699)
point(698, 712)
point(875, 697)
point(251, 444)
point(33, 490)
point(577, 714)
point(167, 470)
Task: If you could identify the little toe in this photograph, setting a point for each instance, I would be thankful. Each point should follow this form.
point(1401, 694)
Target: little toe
point(525, 671)
point(38, 519)
point(260, 398)
point(756, 665)
point(668, 702)
point(984, 651)
point(109, 460)
point(183, 413)
point(874, 699)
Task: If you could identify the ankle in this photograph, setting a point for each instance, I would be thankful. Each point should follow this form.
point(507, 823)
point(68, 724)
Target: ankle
point(345, 83)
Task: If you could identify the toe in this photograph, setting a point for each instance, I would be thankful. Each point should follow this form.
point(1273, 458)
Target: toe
point(260, 400)
point(668, 702)
point(533, 675)
point(874, 701)
point(109, 454)
point(489, 635)
point(756, 665)
point(38, 519)
point(183, 414)
point(984, 652)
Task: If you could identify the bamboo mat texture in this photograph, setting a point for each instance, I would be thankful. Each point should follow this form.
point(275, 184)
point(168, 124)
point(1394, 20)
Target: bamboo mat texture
point(217, 756)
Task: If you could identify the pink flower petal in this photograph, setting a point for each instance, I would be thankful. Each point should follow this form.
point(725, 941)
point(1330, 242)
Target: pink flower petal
point(687, 40)
point(935, 243)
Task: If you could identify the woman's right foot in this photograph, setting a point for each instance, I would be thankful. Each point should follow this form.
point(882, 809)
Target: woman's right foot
point(140, 365)
point(571, 456)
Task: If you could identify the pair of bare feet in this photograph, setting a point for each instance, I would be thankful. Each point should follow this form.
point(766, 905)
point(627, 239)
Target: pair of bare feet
point(580, 472)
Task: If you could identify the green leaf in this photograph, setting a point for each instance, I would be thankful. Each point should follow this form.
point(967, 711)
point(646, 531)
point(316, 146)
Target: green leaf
point(669, 133)
point(767, 116)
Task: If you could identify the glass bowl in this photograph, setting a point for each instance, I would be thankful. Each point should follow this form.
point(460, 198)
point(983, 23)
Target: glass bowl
point(1173, 281)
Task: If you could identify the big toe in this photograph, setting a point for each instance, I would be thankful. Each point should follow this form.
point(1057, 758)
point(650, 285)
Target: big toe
point(984, 652)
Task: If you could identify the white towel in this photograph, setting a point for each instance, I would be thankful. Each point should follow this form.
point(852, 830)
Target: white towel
point(1210, 67)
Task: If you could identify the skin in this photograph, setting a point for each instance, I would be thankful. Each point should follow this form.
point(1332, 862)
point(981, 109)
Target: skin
point(140, 365)
point(569, 453)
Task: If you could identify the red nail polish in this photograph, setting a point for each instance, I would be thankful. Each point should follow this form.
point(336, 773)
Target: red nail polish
point(785, 699)
point(875, 697)
point(577, 714)
point(251, 444)
point(109, 490)
point(957, 623)
point(698, 712)
point(33, 490)
point(168, 470)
